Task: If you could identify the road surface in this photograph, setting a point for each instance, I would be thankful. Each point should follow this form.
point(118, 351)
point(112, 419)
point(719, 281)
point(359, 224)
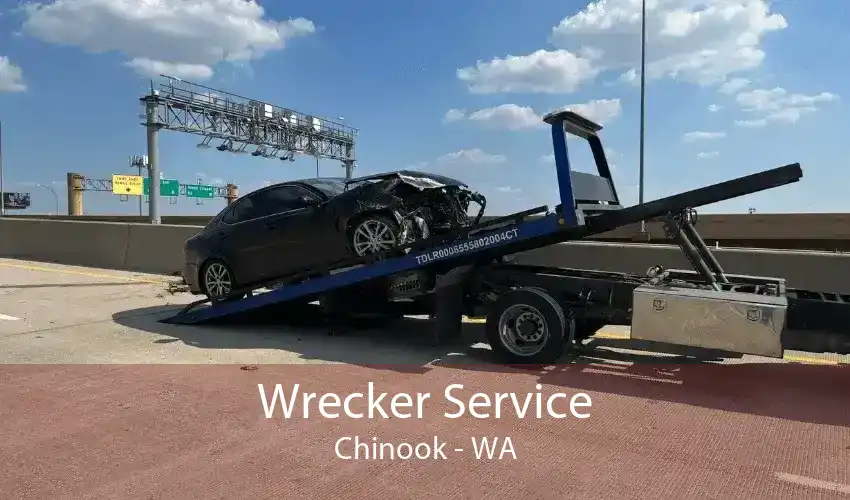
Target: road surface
point(102, 401)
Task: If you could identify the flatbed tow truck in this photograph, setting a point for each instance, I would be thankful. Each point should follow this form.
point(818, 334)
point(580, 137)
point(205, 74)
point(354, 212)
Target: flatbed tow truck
point(534, 314)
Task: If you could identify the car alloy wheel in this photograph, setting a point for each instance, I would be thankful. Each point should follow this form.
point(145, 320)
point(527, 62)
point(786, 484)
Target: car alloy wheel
point(374, 235)
point(218, 280)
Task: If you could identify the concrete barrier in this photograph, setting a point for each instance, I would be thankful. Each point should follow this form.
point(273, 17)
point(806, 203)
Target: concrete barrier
point(827, 232)
point(109, 245)
point(159, 249)
point(819, 271)
point(80, 243)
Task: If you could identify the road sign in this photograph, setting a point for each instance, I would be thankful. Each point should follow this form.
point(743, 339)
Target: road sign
point(127, 185)
point(200, 191)
point(167, 187)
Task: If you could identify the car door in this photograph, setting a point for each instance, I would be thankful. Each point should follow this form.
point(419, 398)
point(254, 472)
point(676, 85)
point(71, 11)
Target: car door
point(241, 239)
point(291, 224)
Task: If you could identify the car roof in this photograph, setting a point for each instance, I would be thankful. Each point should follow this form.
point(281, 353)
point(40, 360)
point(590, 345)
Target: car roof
point(412, 173)
point(384, 175)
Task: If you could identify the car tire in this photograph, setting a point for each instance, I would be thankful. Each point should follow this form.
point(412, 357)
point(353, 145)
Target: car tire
point(217, 281)
point(374, 234)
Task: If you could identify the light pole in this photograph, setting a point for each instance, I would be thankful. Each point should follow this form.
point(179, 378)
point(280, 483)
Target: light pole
point(642, 104)
point(2, 193)
point(55, 196)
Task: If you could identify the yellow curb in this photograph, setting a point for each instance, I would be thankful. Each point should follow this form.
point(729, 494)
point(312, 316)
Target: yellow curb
point(84, 273)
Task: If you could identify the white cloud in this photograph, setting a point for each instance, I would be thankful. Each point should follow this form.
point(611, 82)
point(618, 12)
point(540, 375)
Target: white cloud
point(542, 71)
point(778, 98)
point(508, 190)
point(734, 85)
point(186, 38)
point(507, 116)
point(702, 136)
point(516, 117)
point(776, 105)
point(11, 76)
point(631, 76)
point(599, 110)
point(693, 41)
point(454, 115)
point(151, 68)
point(714, 108)
point(471, 156)
point(550, 158)
point(759, 122)
point(787, 116)
point(708, 154)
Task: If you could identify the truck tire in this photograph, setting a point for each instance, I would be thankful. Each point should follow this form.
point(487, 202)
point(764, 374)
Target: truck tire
point(528, 326)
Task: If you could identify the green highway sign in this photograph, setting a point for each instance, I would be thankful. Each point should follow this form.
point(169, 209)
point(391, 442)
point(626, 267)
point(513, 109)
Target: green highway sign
point(167, 187)
point(200, 191)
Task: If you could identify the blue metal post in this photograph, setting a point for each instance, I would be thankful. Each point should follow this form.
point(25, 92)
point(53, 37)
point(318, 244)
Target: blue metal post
point(562, 166)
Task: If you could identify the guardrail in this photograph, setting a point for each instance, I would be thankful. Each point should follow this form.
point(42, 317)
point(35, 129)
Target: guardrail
point(827, 232)
point(159, 249)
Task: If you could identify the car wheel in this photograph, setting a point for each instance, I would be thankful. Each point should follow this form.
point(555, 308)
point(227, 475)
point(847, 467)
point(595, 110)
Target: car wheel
point(374, 234)
point(217, 280)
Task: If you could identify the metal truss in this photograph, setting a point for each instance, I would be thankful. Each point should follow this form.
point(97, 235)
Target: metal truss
point(106, 185)
point(245, 125)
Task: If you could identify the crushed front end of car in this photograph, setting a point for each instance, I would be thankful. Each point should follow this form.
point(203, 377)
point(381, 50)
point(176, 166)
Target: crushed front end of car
point(422, 204)
point(437, 203)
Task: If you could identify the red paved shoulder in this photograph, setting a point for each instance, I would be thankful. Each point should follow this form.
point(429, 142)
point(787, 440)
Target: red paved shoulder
point(199, 432)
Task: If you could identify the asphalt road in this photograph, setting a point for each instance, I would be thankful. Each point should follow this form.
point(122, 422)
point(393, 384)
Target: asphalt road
point(102, 401)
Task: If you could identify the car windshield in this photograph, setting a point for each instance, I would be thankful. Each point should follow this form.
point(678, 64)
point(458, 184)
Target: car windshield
point(331, 186)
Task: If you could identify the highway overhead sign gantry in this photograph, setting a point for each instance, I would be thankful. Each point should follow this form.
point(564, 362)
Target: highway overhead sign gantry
point(200, 191)
point(127, 185)
point(167, 187)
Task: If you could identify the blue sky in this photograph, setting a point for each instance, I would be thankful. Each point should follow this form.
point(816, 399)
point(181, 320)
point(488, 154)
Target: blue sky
point(734, 87)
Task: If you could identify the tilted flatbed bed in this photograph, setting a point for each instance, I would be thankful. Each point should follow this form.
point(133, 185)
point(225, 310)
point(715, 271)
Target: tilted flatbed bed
point(534, 313)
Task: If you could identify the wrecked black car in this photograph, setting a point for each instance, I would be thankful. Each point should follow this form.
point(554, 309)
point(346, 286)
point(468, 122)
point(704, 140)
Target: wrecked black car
point(285, 228)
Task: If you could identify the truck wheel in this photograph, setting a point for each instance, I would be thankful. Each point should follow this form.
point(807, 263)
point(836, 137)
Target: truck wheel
point(527, 326)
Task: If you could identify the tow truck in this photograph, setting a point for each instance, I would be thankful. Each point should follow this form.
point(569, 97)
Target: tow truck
point(534, 314)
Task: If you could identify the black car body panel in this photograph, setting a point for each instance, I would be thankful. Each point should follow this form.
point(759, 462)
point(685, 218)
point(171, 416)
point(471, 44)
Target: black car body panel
point(309, 222)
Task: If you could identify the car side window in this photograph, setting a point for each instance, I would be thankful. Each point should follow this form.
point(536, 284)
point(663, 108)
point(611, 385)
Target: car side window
point(281, 199)
point(243, 210)
point(269, 202)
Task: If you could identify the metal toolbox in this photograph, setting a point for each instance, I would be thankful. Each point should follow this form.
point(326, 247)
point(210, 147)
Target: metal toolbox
point(730, 321)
